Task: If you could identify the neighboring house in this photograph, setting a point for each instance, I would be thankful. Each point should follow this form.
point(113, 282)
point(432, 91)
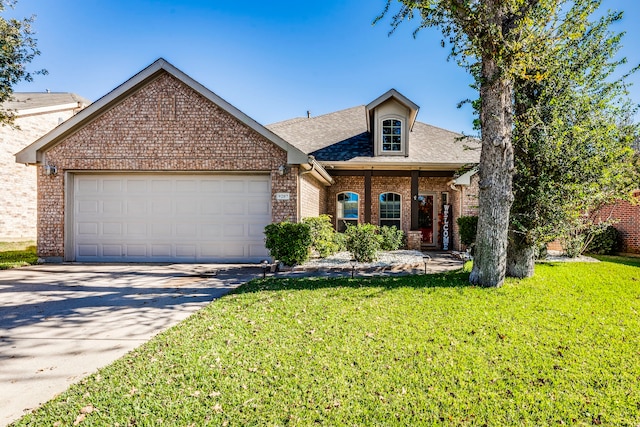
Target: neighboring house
point(626, 217)
point(35, 115)
point(161, 169)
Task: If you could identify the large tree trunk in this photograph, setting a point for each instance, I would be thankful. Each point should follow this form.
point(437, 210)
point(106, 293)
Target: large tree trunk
point(520, 256)
point(496, 174)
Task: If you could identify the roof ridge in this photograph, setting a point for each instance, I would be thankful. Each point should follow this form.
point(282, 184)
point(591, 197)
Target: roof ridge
point(299, 119)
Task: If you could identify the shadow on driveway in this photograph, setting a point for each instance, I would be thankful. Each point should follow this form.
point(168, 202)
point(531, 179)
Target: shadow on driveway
point(60, 323)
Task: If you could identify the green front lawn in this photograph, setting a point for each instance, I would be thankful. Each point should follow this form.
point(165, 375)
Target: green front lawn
point(561, 348)
point(17, 254)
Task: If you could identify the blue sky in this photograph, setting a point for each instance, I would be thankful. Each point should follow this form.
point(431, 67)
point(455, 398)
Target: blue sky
point(274, 60)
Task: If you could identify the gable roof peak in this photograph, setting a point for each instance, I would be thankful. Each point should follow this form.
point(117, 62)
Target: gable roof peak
point(393, 94)
point(33, 153)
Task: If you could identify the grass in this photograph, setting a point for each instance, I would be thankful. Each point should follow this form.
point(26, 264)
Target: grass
point(17, 254)
point(561, 348)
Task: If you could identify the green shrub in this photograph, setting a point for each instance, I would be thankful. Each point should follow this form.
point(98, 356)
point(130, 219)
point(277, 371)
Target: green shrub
point(363, 241)
point(322, 235)
point(392, 238)
point(288, 242)
point(468, 227)
point(604, 241)
point(573, 245)
point(340, 240)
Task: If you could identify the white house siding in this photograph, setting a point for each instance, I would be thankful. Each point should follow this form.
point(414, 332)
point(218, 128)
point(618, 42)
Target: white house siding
point(18, 193)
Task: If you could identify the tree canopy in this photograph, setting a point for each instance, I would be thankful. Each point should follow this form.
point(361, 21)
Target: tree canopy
point(18, 48)
point(573, 132)
point(491, 38)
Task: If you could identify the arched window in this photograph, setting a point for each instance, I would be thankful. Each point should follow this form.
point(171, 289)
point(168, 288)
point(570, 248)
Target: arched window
point(390, 209)
point(392, 135)
point(346, 210)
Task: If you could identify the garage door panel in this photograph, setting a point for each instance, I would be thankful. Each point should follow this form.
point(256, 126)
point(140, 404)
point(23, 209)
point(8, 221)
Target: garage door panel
point(137, 185)
point(258, 251)
point(161, 230)
point(160, 250)
point(112, 250)
point(234, 207)
point(112, 206)
point(233, 186)
point(88, 206)
point(212, 186)
point(136, 207)
point(258, 187)
point(234, 250)
point(88, 185)
point(137, 251)
point(258, 208)
point(112, 186)
point(87, 250)
point(88, 228)
point(112, 229)
point(165, 218)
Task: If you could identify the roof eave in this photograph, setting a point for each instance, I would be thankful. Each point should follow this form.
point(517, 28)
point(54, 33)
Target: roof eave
point(393, 165)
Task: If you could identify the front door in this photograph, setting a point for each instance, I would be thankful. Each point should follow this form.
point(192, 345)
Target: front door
point(426, 219)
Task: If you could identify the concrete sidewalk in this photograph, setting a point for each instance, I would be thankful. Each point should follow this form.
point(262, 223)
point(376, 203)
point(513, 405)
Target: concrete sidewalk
point(60, 323)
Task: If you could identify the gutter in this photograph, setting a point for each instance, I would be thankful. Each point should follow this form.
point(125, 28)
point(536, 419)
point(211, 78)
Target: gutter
point(317, 171)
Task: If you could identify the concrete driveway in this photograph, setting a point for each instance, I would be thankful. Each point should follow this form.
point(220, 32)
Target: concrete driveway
point(60, 323)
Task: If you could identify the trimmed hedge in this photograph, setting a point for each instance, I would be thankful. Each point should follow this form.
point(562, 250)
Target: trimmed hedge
point(323, 238)
point(363, 241)
point(392, 238)
point(289, 242)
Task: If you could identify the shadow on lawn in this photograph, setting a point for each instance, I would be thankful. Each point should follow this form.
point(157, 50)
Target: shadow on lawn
point(455, 279)
point(630, 261)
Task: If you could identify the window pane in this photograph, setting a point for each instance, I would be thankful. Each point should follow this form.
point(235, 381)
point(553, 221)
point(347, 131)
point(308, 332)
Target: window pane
point(346, 210)
point(391, 135)
point(390, 209)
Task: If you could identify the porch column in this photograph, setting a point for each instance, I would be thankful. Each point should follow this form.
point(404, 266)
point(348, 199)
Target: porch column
point(414, 199)
point(367, 197)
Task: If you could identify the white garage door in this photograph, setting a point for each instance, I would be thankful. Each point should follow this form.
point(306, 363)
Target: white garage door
point(170, 218)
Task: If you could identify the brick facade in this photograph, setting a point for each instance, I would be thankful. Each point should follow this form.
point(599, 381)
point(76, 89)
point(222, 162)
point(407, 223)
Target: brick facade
point(18, 190)
point(628, 223)
point(313, 197)
point(402, 186)
point(162, 126)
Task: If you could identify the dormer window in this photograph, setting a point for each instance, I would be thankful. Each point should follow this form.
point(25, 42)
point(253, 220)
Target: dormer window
point(392, 135)
point(390, 118)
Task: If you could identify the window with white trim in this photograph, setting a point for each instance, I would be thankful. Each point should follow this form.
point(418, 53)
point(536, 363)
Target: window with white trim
point(391, 136)
point(390, 209)
point(347, 210)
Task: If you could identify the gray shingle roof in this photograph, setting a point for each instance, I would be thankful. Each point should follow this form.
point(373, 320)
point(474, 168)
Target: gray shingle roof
point(343, 137)
point(27, 100)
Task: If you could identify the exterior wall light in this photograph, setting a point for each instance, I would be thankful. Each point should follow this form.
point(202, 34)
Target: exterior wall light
point(283, 170)
point(50, 170)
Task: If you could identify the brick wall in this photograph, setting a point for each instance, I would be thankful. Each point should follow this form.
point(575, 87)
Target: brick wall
point(18, 192)
point(470, 197)
point(313, 197)
point(163, 126)
point(628, 225)
point(392, 184)
point(402, 186)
